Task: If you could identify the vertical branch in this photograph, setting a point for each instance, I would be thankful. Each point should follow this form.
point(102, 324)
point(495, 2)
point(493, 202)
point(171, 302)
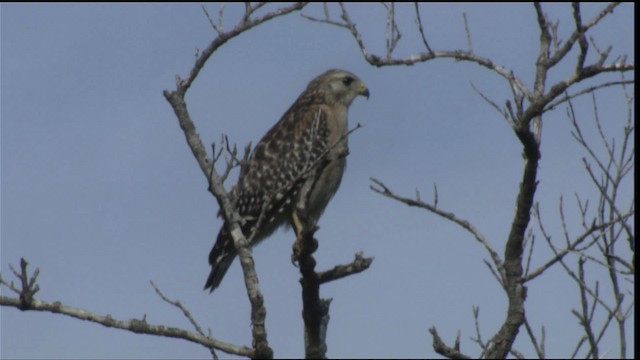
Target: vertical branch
point(538, 346)
point(393, 34)
point(582, 40)
point(315, 311)
point(585, 316)
point(216, 187)
point(513, 259)
point(516, 291)
point(466, 30)
point(543, 56)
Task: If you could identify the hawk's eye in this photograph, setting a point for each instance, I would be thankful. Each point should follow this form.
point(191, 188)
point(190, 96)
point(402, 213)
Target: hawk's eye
point(347, 80)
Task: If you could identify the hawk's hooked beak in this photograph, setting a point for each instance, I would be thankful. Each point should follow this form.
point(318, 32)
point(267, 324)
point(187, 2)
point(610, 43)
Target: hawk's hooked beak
point(363, 90)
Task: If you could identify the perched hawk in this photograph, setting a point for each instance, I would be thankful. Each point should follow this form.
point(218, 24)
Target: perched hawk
point(307, 147)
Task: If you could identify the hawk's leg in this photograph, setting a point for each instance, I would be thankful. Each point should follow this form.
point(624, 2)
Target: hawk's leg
point(303, 229)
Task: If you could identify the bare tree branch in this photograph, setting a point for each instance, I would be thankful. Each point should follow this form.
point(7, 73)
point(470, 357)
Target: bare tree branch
point(573, 245)
point(186, 313)
point(526, 121)
point(478, 339)
point(578, 33)
point(180, 306)
point(216, 187)
point(384, 190)
point(327, 18)
point(468, 32)
point(359, 264)
point(315, 311)
point(26, 302)
point(29, 287)
point(585, 316)
point(502, 112)
point(441, 348)
point(420, 29)
point(216, 27)
point(246, 24)
point(537, 345)
point(392, 33)
point(243, 247)
point(588, 90)
point(582, 40)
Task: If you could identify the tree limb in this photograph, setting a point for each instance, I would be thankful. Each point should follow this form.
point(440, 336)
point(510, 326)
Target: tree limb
point(443, 349)
point(216, 187)
point(315, 311)
point(139, 326)
point(384, 190)
point(359, 264)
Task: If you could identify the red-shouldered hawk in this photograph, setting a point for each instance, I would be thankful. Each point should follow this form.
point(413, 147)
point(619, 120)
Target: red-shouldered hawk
point(307, 147)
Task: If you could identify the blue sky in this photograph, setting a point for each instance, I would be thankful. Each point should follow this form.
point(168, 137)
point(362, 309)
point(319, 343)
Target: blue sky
point(100, 191)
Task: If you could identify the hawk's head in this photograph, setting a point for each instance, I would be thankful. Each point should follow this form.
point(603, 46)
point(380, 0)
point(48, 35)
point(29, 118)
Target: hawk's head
point(338, 86)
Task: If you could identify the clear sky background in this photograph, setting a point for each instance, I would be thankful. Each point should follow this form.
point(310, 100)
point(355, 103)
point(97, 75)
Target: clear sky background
point(101, 192)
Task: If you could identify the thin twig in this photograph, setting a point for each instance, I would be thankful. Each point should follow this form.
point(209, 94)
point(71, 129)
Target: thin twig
point(214, 26)
point(468, 32)
point(384, 190)
point(538, 346)
point(502, 112)
point(180, 306)
point(478, 339)
point(589, 90)
point(186, 313)
point(421, 29)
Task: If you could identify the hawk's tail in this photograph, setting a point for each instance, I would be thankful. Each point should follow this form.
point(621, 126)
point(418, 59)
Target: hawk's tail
point(220, 258)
